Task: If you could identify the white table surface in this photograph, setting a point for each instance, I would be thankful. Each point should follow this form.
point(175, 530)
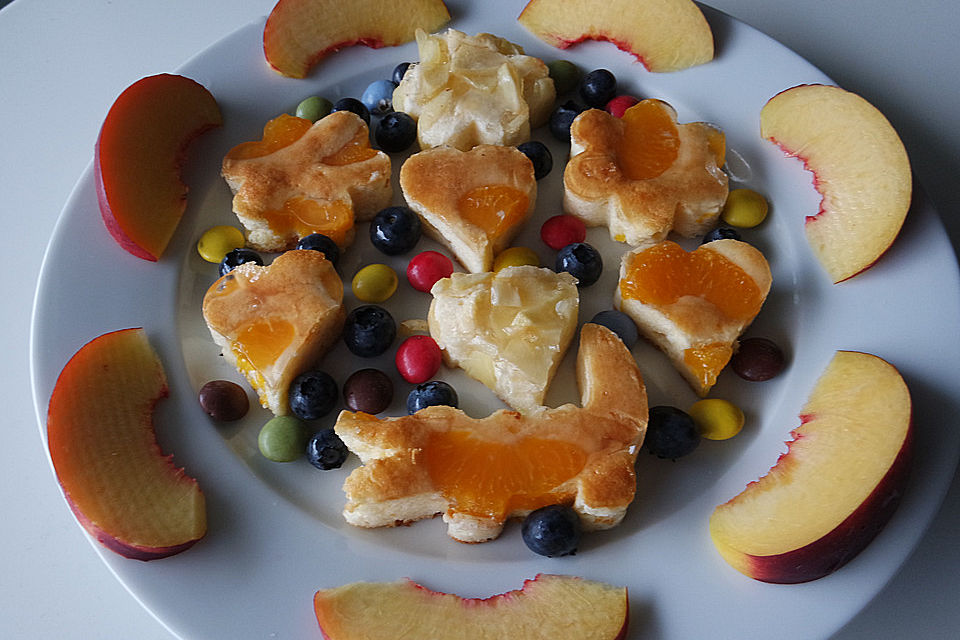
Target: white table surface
point(63, 62)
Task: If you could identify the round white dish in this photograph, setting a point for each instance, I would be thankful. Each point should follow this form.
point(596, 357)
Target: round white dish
point(276, 534)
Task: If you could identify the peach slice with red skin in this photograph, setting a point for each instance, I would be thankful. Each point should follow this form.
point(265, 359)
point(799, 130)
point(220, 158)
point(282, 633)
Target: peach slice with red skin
point(860, 169)
point(549, 606)
point(139, 155)
point(664, 35)
point(299, 33)
point(837, 485)
point(124, 491)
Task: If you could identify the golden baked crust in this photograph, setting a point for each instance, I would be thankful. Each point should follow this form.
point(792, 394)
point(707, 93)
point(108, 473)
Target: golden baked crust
point(692, 322)
point(396, 485)
point(687, 198)
point(470, 90)
point(303, 170)
point(435, 182)
point(275, 322)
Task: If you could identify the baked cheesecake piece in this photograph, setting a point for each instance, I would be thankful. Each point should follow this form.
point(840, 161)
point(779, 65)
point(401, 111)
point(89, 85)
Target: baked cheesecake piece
point(479, 473)
point(473, 202)
point(304, 178)
point(644, 175)
point(694, 305)
point(275, 322)
point(470, 90)
point(508, 329)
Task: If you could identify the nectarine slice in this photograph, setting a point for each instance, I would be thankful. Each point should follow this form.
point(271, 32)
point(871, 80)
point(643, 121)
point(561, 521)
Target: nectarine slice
point(299, 33)
point(860, 168)
point(549, 606)
point(139, 155)
point(836, 486)
point(665, 35)
point(122, 488)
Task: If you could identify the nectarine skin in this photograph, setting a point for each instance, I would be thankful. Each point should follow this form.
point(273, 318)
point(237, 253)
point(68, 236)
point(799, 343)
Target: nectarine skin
point(838, 484)
point(545, 607)
point(841, 545)
point(139, 155)
point(123, 490)
point(299, 33)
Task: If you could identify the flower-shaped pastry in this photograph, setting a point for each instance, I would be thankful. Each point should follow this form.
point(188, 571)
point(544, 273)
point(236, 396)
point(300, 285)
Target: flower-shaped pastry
point(480, 472)
point(470, 90)
point(304, 178)
point(645, 175)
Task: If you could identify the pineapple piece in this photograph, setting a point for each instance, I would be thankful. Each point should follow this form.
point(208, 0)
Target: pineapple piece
point(508, 329)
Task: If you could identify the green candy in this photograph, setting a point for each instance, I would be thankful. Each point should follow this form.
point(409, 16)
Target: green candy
point(314, 108)
point(283, 439)
point(565, 74)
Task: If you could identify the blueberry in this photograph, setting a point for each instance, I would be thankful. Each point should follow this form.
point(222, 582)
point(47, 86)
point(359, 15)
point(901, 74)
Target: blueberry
point(539, 155)
point(399, 71)
point(236, 257)
point(620, 323)
point(598, 87)
point(671, 433)
point(582, 261)
point(378, 97)
point(395, 230)
point(325, 450)
point(431, 394)
point(313, 394)
point(552, 531)
point(354, 106)
point(369, 331)
point(321, 243)
point(561, 119)
point(721, 233)
point(395, 132)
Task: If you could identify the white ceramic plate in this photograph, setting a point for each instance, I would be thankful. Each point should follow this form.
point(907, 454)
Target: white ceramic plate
point(275, 530)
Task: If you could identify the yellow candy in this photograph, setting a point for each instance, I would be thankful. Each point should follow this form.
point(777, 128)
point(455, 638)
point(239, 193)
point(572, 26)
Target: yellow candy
point(515, 257)
point(744, 208)
point(717, 419)
point(217, 241)
point(374, 283)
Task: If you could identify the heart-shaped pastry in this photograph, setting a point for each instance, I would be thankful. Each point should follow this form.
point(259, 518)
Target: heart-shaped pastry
point(304, 178)
point(480, 472)
point(471, 201)
point(508, 329)
point(694, 305)
point(644, 175)
point(275, 322)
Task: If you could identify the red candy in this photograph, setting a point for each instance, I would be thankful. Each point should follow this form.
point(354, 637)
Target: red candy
point(418, 359)
point(426, 268)
point(559, 231)
point(618, 105)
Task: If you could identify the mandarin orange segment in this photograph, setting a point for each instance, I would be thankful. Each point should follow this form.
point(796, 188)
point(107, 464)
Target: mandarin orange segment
point(707, 361)
point(488, 478)
point(303, 216)
point(664, 273)
point(717, 143)
point(356, 149)
point(493, 208)
point(651, 141)
point(263, 341)
point(278, 133)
